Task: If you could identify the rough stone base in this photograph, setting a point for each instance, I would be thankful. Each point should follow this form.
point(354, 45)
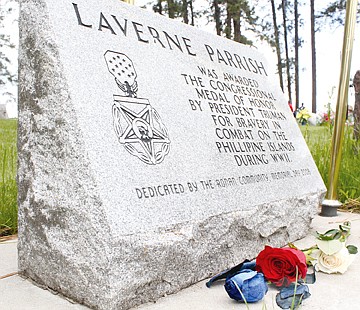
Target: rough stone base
point(120, 274)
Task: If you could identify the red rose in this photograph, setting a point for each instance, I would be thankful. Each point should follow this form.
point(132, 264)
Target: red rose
point(279, 265)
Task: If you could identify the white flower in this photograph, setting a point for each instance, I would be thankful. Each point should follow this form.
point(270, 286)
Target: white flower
point(337, 262)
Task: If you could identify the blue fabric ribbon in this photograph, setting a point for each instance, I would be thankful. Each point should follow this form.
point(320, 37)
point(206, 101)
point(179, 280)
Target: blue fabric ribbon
point(246, 264)
point(288, 297)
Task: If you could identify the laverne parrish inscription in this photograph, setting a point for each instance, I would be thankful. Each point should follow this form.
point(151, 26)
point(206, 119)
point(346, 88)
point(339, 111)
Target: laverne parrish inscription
point(137, 124)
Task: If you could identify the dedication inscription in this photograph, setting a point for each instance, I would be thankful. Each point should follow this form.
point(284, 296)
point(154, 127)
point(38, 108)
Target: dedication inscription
point(151, 154)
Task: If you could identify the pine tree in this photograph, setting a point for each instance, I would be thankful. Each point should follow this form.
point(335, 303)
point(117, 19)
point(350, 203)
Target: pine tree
point(6, 75)
point(277, 44)
point(335, 13)
point(234, 18)
point(287, 55)
point(296, 45)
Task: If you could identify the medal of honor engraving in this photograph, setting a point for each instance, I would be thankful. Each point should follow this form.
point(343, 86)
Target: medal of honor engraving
point(137, 124)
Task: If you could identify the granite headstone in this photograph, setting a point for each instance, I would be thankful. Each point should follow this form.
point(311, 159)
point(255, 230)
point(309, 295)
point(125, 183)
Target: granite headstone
point(151, 154)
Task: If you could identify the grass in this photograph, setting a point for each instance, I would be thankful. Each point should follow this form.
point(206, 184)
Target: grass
point(318, 139)
point(8, 187)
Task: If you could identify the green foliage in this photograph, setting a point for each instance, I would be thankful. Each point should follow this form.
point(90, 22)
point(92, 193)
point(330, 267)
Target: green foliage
point(173, 8)
point(234, 19)
point(5, 43)
point(240, 14)
point(352, 249)
point(334, 234)
point(335, 13)
point(8, 187)
point(318, 139)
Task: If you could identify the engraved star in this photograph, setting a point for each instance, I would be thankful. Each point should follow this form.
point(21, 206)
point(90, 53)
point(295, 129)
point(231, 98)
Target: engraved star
point(141, 130)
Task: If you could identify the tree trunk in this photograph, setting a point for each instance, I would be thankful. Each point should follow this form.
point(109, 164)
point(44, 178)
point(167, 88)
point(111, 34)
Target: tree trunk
point(228, 20)
point(185, 11)
point(357, 106)
point(236, 24)
point(283, 5)
point(171, 8)
point(313, 56)
point(297, 82)
point(158, 7)
point(217, 17)
point(277, 43)
point(192, 12)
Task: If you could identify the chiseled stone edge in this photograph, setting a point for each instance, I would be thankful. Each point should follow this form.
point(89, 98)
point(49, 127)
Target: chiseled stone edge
point(164, 262)
point(63, 231)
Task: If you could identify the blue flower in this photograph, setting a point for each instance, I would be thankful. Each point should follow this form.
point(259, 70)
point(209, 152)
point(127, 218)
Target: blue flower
point(246, 285)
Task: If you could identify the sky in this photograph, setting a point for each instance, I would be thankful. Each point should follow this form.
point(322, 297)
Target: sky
point(328, 48)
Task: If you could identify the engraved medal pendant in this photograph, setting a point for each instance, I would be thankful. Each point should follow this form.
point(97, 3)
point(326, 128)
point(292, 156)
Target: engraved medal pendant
point(137, 124)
